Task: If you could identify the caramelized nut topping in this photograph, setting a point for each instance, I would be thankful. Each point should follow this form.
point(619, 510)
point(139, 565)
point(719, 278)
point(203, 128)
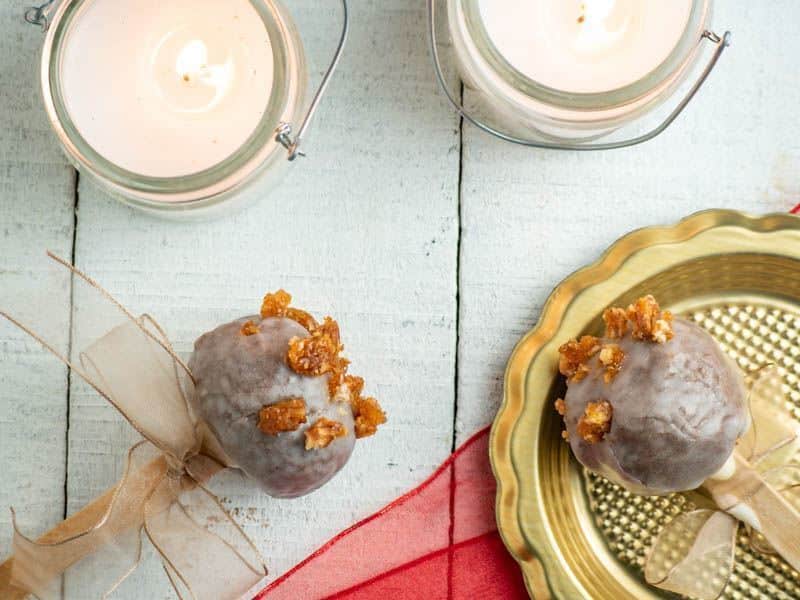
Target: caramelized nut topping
point(561, 407)
point(330, 328)
point(317, 355)
point(663, 332)
point(611, 357)
point(644, 318)
point(368, 415)
point(648, 322)
point(565, 435)
point(286, 415)
point(249, 328)
point(616, 320)
point(575, 355)
point(323, 432)
point(367, 412)
point(354, 384)
point(303, 318)
point(595, 422)
point(275, 305)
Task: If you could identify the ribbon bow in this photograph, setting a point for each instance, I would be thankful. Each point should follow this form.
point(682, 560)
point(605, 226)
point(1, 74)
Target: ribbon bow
point(162, 492)
point(694, 554)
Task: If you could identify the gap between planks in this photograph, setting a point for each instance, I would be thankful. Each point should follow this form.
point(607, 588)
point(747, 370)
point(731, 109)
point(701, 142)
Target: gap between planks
point(451, 530)
point(70, 337)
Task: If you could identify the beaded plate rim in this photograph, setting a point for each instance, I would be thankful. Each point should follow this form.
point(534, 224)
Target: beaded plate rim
point(538, 548)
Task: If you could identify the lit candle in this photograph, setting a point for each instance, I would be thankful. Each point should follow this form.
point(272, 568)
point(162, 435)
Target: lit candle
point(585, 46)
point(166, 88)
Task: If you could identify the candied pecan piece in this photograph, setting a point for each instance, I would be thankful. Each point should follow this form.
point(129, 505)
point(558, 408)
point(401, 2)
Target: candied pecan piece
point(368, 415)
point(286, 415)
point(565, 435)
point(315, 355)
point(355, 385)
point(574, 356)
point(330, 328)
point(616, 320)
point(595, 422)
point(323, 432)
point(303, 318)
point(337, 375)
point(561, 407)
point(611, 357)
point(319, 354)
point(275, 305)
point(663, 331)
point(249, 328)
point(649, 323)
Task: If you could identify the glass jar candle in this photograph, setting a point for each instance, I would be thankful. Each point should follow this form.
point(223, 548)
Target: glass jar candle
point(560, 73)
point(176, 106)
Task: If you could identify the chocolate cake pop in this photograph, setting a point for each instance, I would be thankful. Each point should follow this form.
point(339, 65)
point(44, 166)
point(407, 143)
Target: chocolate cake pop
point(275, 393)
point(655, 405)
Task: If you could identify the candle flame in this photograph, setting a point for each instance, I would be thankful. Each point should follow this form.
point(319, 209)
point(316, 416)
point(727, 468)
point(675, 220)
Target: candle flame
point(192, 67)
point(192, 58)
point(594, 18)
point(597, 10)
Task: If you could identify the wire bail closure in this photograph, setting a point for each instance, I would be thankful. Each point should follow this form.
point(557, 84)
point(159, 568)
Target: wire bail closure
point(283, 133)
point(720, 43)
point(40, 15)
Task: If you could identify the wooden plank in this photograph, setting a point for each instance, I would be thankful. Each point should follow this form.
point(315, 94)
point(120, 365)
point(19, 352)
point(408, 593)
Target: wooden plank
point(36, 213)
point(364, 229)
point(531, 217)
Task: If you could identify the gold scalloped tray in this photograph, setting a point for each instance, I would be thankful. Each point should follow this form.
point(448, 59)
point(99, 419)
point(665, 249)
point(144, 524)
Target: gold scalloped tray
point(574, 534)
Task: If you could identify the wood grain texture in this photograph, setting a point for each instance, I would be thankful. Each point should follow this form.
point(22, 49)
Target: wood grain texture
point(531, 217)
point(363, 229)
point(36, 213)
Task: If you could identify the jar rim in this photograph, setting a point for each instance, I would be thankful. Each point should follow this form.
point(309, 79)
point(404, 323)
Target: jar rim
point(209, 185)
point(469, 16)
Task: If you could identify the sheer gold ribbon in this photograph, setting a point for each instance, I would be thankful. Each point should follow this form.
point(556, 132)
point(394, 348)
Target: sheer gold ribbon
point(694, 554)
point(161, 494)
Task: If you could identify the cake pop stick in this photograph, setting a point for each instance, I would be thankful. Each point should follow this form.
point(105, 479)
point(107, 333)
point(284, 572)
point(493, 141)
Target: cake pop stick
point(745, 494)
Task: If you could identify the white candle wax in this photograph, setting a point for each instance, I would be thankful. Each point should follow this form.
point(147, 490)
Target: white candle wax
point(166, 88)
point(585, 46)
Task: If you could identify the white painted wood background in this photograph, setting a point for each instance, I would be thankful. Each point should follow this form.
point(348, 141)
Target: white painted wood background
point(433, 244)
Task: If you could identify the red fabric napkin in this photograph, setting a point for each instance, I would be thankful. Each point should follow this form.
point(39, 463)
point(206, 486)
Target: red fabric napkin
point(439, 541)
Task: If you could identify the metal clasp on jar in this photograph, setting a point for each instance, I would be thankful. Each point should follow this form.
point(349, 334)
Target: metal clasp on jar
point(283, 133)
point(40, 15)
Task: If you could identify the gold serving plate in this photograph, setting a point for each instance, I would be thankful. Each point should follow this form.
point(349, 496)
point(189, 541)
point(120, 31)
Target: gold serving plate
point(576, 535)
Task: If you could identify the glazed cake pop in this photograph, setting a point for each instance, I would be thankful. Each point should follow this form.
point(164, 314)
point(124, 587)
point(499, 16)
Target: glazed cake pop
point(655, 405)
point(275, 393)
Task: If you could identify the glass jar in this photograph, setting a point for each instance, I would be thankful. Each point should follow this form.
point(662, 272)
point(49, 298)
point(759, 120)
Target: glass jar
point(557, 110)
point(248, 76)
